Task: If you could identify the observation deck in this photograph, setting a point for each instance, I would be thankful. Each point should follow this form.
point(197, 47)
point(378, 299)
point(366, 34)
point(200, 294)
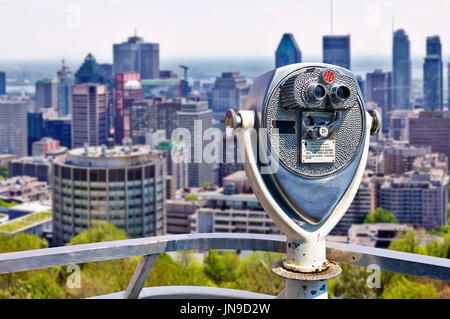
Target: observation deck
point(149, 249)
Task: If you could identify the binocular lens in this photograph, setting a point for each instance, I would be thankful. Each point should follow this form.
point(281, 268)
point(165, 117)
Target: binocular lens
point(343, 92)
point(319, 91)
point(315, 93)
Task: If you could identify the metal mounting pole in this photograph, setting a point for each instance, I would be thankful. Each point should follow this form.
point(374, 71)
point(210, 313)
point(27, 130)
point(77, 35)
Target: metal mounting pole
point(306, 269)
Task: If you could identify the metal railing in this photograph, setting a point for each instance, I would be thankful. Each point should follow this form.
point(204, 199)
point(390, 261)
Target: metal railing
point(150, 248)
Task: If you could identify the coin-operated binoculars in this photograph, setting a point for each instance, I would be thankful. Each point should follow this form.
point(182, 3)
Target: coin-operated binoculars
point(304, 138)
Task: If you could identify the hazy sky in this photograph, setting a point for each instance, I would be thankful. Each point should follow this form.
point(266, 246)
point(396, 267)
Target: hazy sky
point(35, 29)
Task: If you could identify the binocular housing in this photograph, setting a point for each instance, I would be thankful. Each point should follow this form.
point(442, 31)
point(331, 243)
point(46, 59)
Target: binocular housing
point(316, 131)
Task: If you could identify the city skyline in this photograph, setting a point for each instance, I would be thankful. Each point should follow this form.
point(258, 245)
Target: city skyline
point(72, 29)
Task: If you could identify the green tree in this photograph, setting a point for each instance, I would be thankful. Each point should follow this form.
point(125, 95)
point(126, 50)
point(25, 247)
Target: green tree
point(409, 242)
point(103, 277)
point(254, 274)
point(215, 268)
point(352, 284)
point(98, 232)
point(191, 198)
point(15, 285)
point(206, 184)
point(187, 271)
point(403, 288)
point(380, 215)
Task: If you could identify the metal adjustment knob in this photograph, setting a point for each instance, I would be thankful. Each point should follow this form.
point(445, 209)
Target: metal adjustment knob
point(376, 121)
point(232, 119)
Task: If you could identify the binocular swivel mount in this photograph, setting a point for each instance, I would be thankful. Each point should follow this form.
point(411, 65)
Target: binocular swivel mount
point(304, 137)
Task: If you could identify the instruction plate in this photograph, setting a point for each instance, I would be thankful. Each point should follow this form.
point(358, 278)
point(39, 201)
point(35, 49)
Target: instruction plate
point(318, 151)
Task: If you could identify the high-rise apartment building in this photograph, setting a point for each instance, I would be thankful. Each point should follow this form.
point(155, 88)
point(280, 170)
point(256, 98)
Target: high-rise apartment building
point(398, 125)
point(230, 91)
point(2, 83)
point(65, 83)
point(361, 205)
point(89, 114)
point(336, 50)
point(127, 89)
point(135, 55)
point(124, 186)
point(417, 198)
point(13, 127)
point(378, 89)
point(401, 71)
point(431, 128)
point(197, 118)
point(287, 51)
point(46, 94)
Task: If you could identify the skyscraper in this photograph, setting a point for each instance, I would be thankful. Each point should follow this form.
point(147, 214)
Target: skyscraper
point(2, 83)
point(167, 115)
point(401, 71)
point(144, 116)
point(287, 52)
point(378, 90)
point(432, 83)
point(13, 127)
point(433, 87)
point(197, 118)
point(137, 56)
point(60, 129)
point(127, 89)
point(230, 91)
point(65, 82)
point(35, 128)
point(434, 47)
point(46, 94)
point(336, 50)
point(89, 114)
point(90, 72)
point(448, 84)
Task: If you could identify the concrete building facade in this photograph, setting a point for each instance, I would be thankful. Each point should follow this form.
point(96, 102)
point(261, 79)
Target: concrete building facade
point(124, 186)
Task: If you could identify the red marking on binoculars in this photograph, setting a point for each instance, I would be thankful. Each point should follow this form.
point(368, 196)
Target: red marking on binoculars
point(328, 76)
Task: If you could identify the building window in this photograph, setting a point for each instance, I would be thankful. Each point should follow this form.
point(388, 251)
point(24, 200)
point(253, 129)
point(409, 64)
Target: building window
point(79, 174)
point(134, 174)
point(97, 175)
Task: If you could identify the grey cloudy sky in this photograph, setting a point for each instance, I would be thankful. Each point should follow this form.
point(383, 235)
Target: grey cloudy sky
point(40, 29)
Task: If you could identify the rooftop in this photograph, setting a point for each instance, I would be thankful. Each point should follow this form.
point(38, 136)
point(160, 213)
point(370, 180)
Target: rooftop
point(103, 156)
point(23, 223)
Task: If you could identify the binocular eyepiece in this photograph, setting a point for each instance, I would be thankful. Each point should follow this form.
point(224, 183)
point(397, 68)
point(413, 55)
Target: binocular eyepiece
point(339, 93)
point(316, 93)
